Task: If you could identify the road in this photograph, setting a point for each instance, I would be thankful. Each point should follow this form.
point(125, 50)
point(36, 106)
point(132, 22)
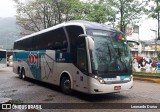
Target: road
point(30, 91)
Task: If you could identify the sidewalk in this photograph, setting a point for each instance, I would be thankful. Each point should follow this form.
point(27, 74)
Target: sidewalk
point(5, 100)
point(147, 78)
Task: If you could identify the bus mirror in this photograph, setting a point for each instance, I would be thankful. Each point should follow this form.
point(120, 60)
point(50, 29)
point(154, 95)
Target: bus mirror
point(81, 39)
point(139, 45)
point(82, 36)
point(133, 41)
point(90, 43)
point(88, 40)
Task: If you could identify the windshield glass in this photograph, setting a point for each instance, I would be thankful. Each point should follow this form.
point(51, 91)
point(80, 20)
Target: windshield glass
point(110, 54)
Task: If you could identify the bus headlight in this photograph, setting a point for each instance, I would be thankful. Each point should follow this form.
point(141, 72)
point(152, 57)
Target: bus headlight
point(100, 79)
point(96, 77)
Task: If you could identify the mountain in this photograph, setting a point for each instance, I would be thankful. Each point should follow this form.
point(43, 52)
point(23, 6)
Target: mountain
point(9, 32)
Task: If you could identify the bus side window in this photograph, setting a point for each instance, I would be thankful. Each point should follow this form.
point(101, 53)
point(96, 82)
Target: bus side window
point(81, 54)
point(64, 46)
point(45, 40)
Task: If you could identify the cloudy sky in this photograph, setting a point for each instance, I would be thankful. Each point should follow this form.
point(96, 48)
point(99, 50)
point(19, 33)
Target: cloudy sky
point(7, 8)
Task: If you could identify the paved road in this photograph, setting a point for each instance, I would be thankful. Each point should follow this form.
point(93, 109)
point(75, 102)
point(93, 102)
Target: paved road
point(30, 92)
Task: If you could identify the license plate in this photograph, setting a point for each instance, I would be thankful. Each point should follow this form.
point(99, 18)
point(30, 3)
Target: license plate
point(111, 79)
point(117, 87)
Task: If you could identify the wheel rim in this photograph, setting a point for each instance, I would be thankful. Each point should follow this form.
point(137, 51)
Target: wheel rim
point(66, 84)
point(23, 74)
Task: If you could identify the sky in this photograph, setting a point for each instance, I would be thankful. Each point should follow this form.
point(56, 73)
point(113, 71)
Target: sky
point(7, 9)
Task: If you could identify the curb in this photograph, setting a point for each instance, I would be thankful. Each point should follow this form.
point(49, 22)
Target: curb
point(4, 101)
point(156, 80)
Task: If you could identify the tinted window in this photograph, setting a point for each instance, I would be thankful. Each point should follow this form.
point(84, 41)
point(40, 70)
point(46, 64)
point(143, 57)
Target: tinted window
point(18, 45)
point(27, 44)
point(2, 54)
point(73, 33)
point(52, 37)
point(41, 42)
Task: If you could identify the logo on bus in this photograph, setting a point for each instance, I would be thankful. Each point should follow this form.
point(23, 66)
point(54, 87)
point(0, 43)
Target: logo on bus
point(33, 59)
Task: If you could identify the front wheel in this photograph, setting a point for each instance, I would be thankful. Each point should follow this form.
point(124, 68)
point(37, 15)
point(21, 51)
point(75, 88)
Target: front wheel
point(66, 85)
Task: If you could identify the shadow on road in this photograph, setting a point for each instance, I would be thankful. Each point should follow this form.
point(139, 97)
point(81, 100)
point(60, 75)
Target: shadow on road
point(99, 97)
point(79, 95)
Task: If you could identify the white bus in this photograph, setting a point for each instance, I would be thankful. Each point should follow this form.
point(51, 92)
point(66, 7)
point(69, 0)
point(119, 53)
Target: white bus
point(2, 58)
point(77, 55)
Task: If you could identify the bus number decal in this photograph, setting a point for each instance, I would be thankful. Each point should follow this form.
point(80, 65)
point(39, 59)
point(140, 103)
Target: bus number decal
point(33, 59)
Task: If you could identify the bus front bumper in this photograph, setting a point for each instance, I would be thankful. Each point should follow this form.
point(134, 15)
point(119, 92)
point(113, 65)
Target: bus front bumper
point(98, 88)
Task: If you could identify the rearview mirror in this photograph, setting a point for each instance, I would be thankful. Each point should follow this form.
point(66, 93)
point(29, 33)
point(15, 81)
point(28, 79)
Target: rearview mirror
point(90, 43)
point(132, 41)
point(138, 43)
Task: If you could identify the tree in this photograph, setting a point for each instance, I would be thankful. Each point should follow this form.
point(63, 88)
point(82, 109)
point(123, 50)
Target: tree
point(35, 15)
point(153, 12)
point(128, 11)
point(99, 11)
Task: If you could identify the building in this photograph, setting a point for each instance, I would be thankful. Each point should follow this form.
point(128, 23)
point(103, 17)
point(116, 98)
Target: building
point(147, 50)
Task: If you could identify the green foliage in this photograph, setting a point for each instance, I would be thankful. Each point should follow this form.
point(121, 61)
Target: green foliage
point(154, 9)
point(158, 55)
point(98, 11)
point(35, 15)
point(128, 11)
point(146, 74)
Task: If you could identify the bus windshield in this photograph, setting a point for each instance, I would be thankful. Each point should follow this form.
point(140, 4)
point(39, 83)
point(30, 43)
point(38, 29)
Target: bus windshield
point(111, 54)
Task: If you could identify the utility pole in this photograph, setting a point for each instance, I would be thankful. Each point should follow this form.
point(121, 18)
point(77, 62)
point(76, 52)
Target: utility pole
point(155, 31)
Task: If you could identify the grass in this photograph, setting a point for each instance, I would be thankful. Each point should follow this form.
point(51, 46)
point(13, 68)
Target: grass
point(146, 74)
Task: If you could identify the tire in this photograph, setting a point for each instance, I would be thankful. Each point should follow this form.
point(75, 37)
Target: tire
point(66, 85)
point(22, 74)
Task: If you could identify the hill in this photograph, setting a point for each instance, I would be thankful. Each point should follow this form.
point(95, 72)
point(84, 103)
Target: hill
point(9, 32)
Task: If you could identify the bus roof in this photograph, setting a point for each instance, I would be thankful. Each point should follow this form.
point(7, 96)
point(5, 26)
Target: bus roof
point(86, 24)
point(2, 50)
point(91, 25)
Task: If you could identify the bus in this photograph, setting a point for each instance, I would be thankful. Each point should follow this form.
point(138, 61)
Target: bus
point(77, 55)
point(2, 58)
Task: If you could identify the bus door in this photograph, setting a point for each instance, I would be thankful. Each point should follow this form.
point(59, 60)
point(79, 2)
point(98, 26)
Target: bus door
point(82, 65)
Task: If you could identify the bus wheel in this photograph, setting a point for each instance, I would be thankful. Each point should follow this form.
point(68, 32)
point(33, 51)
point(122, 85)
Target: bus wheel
point(66, 85)
point(22, 75)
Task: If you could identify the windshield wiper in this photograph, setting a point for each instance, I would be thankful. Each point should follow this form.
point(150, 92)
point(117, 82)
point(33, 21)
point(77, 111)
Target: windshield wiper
point(109, 52)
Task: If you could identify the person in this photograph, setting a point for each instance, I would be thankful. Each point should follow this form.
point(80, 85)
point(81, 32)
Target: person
point(140, 61)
